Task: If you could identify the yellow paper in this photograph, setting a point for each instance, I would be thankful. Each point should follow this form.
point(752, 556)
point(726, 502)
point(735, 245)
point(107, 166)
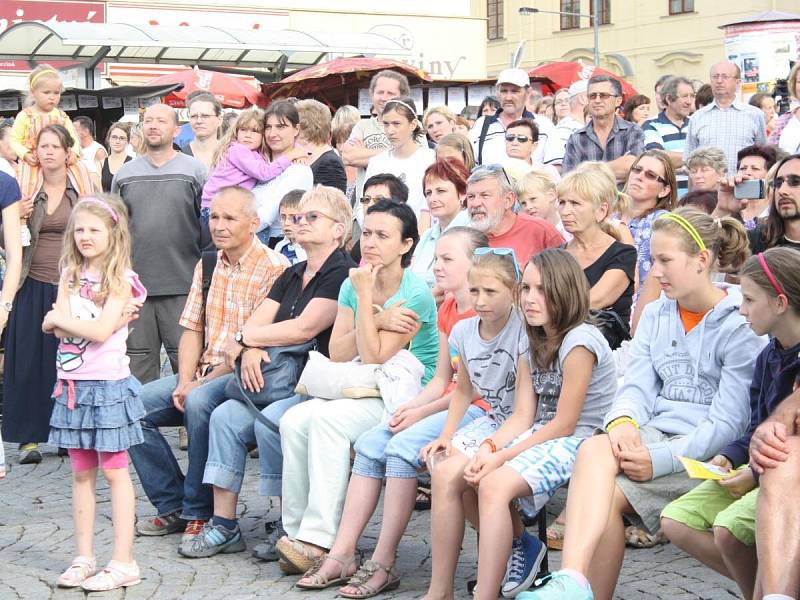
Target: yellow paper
point(703, 470)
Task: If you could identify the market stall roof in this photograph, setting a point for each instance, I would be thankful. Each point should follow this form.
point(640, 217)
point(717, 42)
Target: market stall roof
point(120, 91)
point(149, 44)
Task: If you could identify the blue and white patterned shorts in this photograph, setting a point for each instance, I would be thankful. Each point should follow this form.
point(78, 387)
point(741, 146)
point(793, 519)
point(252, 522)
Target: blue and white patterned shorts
point(468, 439)
point(545, 467)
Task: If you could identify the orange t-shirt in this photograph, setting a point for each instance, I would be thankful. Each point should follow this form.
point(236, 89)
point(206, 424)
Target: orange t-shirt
point(528, 236)
point(690, 319)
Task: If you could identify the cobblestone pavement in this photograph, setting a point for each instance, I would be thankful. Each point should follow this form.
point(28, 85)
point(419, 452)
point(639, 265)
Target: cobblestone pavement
point(36, 545)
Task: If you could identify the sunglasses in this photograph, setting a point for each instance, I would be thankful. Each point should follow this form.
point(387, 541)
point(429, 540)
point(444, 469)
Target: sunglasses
point(648, 174)
point(372, 199)
point(311, 217)
point(600, 95)
point(503, 252)
point(792, 181)
point(510, 137)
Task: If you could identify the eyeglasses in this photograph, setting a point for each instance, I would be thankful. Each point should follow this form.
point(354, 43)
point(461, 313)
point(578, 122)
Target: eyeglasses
point(494, 168)
point(311, 216)
point(792, 181)
point(522, 139)
point(648, 174)
point(503, 252)
point(117, 138)
point(601, 95)
point(372, 199)
point(201, 117)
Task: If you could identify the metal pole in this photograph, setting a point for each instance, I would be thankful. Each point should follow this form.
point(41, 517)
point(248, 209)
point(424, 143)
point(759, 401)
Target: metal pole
point(596, 26)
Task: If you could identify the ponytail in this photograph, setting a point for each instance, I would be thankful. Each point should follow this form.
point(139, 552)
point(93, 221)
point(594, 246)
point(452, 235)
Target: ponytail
point(734, 245)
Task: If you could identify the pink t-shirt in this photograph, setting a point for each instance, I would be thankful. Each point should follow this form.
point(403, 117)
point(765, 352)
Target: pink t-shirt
point(528, 236)
point(82, 359)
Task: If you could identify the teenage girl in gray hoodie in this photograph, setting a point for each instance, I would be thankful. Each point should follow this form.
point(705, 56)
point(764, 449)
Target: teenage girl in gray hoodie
point(685, 393)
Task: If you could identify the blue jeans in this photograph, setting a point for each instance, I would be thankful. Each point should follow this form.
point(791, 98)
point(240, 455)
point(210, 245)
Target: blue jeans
point(380, 453)
point(270, 454)
point(163, 482)
point(232, 430)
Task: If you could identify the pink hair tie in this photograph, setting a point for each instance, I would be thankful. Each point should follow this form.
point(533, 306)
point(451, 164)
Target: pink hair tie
point(775, 285)
point(104, 205)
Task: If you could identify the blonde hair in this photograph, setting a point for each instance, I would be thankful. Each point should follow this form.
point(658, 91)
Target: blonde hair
point(338, 207)
point(315, 121)
point(566, 294)
point(593, 186)
point(708, 156)
point(438, 110)
point(500, 266)
point(725, 238)
point(538, 181)
point(41, 74)
point(460, 143)
point(253, 117)
point(116, 263)
point(622, 201)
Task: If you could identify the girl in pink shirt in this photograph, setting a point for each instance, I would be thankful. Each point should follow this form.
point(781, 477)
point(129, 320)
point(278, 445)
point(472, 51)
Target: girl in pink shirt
point(97, 408)
point(241, 158)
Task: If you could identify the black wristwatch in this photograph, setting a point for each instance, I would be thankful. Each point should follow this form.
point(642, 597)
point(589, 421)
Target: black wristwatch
point(238, 337)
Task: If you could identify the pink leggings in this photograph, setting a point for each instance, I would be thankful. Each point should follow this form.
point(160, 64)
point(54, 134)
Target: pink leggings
point(83, 460)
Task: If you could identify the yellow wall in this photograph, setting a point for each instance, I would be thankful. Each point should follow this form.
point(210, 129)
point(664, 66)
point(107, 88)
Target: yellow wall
point(641, 31)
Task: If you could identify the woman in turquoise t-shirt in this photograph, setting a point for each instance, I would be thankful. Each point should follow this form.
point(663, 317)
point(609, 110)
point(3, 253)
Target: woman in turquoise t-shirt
point(316, 435)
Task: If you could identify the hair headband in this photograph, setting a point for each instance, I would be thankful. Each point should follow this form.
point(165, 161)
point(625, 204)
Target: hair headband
point(104, 205)
point(44, 72)
point(690, 229)
point(413, 112)
point(772, 279)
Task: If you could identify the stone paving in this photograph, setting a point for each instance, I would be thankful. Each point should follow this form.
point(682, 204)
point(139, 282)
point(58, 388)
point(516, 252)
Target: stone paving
point(36, 545)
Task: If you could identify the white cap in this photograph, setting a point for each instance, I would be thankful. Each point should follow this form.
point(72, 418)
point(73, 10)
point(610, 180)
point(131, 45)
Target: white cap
point(518, 77)
point(578, 87)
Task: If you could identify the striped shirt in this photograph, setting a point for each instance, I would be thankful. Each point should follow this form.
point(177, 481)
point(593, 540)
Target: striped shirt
point(236, 291)
point(624, 138)
point(661, 133)
point(729, 129)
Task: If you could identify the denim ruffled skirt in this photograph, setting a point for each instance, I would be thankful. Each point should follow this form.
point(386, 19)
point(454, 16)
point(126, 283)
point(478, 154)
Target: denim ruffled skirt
point(97, 415)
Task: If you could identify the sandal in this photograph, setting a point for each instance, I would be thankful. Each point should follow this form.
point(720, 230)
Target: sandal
point(423, 501)
point(364, 574)
point(296, 554)
point(636, 537)
point(115, 575)
point(80, 570)
point(319, 581)
point(555, 536)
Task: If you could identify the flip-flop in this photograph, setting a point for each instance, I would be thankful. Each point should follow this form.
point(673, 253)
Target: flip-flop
point(423, 501)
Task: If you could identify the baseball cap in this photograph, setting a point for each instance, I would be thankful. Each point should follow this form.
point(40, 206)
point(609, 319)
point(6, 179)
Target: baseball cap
point(518, 77)
point(578, 87)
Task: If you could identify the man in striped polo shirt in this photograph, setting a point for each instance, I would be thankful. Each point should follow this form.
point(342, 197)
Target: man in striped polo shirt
point(668, 130)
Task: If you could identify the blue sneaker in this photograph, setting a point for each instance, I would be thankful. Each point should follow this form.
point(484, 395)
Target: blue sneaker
point(213, 540)
point(527, 553)
point(560, 586)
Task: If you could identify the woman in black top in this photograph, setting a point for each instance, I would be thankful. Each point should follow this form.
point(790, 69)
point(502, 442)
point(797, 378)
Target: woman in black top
point(315, 132)
point(117, 139)
point(584, 198)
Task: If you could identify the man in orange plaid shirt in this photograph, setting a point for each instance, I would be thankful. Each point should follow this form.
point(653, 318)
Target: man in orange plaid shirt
point(243, 275)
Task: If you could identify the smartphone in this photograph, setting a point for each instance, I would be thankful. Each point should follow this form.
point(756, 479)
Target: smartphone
point(750, 189)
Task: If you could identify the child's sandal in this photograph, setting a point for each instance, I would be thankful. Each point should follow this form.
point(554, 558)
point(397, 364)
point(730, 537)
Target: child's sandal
point(115, 575)
point(80, 570)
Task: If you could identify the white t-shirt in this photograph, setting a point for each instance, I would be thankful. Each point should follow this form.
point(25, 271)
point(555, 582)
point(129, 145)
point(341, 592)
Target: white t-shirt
point(494, 146)
point(269, 195)
point(410, 171)
point(790, 136)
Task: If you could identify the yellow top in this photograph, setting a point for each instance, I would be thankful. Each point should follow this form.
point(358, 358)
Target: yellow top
point(29, 122)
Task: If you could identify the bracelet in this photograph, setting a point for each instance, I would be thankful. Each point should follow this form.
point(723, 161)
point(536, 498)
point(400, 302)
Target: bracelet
point(620, 421)
point(490, 443)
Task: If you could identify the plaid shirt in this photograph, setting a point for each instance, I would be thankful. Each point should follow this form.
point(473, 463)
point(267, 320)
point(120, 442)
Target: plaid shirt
point(624, 138)
point(236, 291)
point(729, 129)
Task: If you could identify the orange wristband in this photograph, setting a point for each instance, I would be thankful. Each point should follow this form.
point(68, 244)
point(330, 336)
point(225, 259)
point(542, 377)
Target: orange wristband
point(490, 443)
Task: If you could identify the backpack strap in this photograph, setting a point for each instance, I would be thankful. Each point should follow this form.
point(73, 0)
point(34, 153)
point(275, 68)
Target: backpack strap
point(209, 262)
point(487, 121)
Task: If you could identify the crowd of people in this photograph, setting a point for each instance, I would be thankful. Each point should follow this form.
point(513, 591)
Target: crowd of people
point(564, 292)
